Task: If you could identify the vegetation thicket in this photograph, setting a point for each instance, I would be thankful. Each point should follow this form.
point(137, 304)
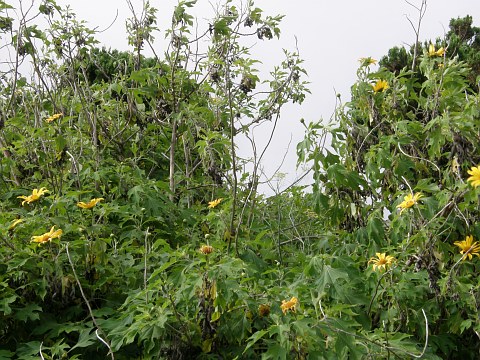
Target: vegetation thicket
point(130, 228)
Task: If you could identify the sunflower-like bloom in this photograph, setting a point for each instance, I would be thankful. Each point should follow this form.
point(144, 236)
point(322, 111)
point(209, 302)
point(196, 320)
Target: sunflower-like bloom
point(289, 305)
point(14, 223)
point(206, 249)
point(36, 194)
point(214, 203)
point(475, 178)
point(409, 201)
point(90, 204)
point(53, 117)
point(367, 61)
point(468, 248)
point(52, 234)
point(380, 85)
point(432, 52)
point(381, 262)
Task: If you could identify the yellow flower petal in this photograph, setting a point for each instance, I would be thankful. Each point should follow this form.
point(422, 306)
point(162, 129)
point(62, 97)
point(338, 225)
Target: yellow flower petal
point(53, 117)
point(468, 248)
point(380, 85)
point(432, 52)
point(367, 61)
point(52, 234)
point(474, 179)
point(36, 194)
point(214, 203)
point(14, 223)
point(408, 201)
point(289, 305)
point(381, 261)
point(90, 204)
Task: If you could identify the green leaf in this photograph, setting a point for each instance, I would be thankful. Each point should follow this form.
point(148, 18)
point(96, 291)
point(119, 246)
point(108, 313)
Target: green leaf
point(329, 278)
point(275, 352)
point(340, 176)
point(5, 354)
point(86, 338)
point(29, 312)
point(5, 302)
point(427, 186)
point(465, 325)
point(375, 230)
point(4, 5)
point(254, 338)
point(215, 316)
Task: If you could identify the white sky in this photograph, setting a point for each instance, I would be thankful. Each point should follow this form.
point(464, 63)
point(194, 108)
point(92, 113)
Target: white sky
point(332, 36)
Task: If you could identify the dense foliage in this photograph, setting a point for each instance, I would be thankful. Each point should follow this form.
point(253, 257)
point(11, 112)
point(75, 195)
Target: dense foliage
point(131, 229)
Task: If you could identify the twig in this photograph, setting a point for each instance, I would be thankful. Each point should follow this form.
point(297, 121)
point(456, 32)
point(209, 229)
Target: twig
point(321, 309)
point(408, 184)
point(388, 348)
point(104, 342)
point(386, 337)
point(419, 158)
point(376, 290)
point(41, 355)
point(421, 11)
point(87, 303)
point(426, 336)
point(11, 246)
point(145, 267)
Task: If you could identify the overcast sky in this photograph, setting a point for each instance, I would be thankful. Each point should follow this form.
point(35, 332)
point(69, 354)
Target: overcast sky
point(332, 36)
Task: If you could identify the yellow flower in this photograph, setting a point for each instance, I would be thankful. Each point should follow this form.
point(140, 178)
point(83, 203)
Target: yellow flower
point(214, 203)
point(206, 249)
point(381, 261)
point(53, 117)
point(432, 52)
point(36, 194)
point(14, 223)
point(367, 61)
point(90, 204)
point(468, 247)
point(289, 305)
point(409, 201)
point(475, 178)
point(380, 85)
point(52, 234)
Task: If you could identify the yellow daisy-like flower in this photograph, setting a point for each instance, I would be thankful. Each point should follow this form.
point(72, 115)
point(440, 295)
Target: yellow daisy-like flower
point(409, 201)
point(380, 85)
point(36, 194)
point(367, 61)
point(52, 234)
point(432, 52)
point(289, 305)
point(474, 179)
point(14, 223)
point(206, 249)
point(214, 203)
point(468, 248)
point(90, 204)
point(53, 117)
point(381, 261)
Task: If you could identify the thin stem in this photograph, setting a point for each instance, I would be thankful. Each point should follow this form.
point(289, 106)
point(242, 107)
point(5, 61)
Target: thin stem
point(87, 303)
